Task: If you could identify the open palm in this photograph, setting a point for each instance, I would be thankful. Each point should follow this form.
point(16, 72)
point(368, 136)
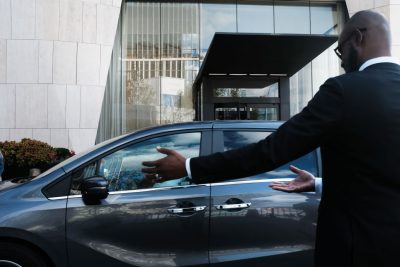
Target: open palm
point(304, 182)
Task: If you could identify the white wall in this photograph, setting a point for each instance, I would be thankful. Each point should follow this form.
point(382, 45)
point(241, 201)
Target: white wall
point(54, 60)
point(390, 8)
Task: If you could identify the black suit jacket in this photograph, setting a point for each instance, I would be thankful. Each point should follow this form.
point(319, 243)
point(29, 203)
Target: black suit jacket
point(355, 119)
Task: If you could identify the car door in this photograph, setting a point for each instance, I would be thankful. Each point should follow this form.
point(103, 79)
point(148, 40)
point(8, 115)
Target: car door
point(165, 224)
point(253, 225)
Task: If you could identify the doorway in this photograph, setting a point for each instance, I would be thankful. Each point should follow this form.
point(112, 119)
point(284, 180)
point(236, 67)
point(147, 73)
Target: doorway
point(241, 98)
point(246, 111)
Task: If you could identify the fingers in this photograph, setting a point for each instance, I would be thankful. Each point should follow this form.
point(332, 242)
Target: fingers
point(150, 163)
point(162, 150)
point(285, 187)
point(152, 170)
point(165, 151)
point(294, 169)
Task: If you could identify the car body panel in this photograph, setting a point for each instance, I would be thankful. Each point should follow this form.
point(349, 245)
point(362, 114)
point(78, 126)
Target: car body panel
point(136, 229)
point(27, 215)
point(275, 223)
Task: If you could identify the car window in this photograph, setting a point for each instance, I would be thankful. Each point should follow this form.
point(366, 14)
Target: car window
point(122, 168)
point(236, 139)
point(78, 176)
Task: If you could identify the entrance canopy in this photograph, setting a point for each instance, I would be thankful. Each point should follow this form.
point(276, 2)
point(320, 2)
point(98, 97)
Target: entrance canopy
point(261, 54)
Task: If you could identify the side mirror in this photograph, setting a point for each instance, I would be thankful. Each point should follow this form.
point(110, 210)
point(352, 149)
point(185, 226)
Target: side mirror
point(94, 189)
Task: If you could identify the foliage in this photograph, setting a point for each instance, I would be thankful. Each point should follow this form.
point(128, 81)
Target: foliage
point(227, 92)
point(63, 153)
point(32, 153)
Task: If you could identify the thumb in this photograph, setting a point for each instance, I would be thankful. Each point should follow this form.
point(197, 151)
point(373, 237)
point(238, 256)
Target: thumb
point(295, 169)
point(165, 151)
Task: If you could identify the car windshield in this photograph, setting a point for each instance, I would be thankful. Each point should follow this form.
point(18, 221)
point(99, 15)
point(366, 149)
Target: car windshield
point(78, 156)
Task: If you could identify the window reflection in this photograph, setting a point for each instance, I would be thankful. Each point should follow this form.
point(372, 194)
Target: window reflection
point(255, 16)
point(179, 64)
point(292, 17)
point(236, 139)
point(179, 30)
point(141, 34)
point(301, 89)
point(259, 112)
point(214, 18)
point(122, 169)
point(324, 19)
point(324, 66)
point(268, 91)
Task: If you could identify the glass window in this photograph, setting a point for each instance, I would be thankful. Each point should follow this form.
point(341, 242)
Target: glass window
point(214, 18)
point(301, 89)
point(80, 175)
point(176, 94)
point(180, 60)
point(326, 65)
point(141, 69)
point(255, 16)
point(122, 169)
point(324, 19)
point(237, 111)
point(261, 112)
point(179, 30)
point(236, 139)
point(268, 91)
point(292, 17)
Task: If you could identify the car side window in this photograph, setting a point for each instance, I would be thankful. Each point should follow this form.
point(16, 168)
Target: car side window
point(236, 139)
point(122, 168)
point(80, 175)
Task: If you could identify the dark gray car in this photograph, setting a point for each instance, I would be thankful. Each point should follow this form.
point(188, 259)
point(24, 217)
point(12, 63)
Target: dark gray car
point(95, 210)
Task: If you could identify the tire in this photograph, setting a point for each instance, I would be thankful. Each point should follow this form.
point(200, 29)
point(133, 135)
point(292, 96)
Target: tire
point(18, 255)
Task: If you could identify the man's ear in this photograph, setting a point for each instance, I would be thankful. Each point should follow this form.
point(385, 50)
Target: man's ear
point(359, 37)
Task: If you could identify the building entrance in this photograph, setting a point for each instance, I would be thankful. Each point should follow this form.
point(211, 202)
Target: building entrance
point(241, 98)
point(244, 111)
point(247, 76)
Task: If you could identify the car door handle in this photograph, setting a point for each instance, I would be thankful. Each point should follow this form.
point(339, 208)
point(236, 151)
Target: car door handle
point(233, 206)
point(186, 210)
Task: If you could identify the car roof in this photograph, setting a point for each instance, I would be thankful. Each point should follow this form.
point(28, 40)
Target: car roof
point(217, 124)
point(249, 124)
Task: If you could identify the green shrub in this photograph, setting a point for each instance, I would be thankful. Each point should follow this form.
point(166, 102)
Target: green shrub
point(21, 156)
point(63, 153)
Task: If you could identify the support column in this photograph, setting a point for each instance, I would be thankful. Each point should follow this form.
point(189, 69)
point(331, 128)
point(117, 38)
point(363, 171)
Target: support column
point(284, 95)
point(207, 103)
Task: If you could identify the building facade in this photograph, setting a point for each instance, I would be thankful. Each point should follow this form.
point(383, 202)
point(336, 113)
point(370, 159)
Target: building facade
point(73, 72)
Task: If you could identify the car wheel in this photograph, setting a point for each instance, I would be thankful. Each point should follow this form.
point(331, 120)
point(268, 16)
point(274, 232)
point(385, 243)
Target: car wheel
point(17, 255)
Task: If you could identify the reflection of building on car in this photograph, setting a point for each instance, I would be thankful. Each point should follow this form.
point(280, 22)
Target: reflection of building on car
point(95, 209)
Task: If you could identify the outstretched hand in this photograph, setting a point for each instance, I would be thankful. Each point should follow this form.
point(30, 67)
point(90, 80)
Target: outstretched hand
point(304, 182)
point(168, 168)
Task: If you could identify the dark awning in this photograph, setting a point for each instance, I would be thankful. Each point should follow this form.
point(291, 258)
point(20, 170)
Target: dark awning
point(263, 54)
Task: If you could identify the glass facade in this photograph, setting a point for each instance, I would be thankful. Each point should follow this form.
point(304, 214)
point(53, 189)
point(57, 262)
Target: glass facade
point(159, 47)
point(255, 16)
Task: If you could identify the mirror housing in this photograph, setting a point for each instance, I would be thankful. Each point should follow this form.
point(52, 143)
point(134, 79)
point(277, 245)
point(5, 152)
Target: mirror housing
point(94, 189)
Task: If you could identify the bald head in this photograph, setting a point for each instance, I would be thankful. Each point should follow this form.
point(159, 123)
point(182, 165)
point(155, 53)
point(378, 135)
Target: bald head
point(366, 35)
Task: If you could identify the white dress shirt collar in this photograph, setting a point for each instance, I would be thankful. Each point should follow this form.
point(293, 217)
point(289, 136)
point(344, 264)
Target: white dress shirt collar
point(379, 60)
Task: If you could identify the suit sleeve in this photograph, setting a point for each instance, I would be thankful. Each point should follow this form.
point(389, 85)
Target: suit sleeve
point(313, 126)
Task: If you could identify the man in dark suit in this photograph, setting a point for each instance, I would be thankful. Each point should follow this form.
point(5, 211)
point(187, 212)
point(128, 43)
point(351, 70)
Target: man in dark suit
point(355, 119)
